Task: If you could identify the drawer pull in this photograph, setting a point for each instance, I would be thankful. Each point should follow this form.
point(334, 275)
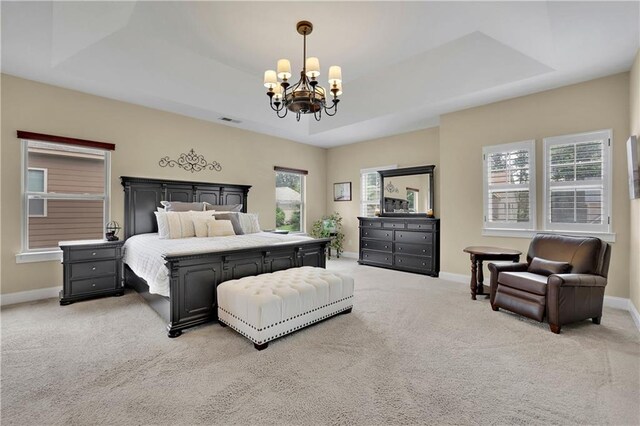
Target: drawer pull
point(93, 285)
point(93, 269)
point(386, 246)
point(400, 248)
point(399, 261)
point(93, 254)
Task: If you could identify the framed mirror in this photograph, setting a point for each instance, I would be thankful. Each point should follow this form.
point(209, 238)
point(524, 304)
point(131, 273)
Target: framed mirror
point(407, 191)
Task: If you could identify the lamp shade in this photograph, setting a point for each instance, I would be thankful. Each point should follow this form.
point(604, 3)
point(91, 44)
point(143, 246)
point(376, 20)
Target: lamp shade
point(270, 79)
point(277, 97)
point(312, 67)
point(284, 69)
point(335, 74)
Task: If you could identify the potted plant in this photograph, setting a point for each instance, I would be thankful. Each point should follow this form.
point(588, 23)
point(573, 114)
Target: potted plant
point(330, 227)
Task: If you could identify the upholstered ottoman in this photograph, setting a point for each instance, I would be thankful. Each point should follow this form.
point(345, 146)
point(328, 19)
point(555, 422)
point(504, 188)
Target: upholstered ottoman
point(265, 307)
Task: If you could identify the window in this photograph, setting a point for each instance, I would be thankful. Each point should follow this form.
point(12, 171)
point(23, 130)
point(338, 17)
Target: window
point(509, 186)
point(66, 194)
point(370, 190)
point(37, 182)
point(413, 199)
point(577, 175)
point(290, 206)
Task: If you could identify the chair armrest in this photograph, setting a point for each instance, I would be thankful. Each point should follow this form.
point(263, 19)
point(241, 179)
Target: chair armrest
point(577, 280)
point(495, 270)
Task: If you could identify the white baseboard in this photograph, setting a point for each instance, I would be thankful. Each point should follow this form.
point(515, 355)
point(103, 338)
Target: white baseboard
point(459, 278)
point(29, 296)
point(349, 254)
point(634, 314)
point(617, 302)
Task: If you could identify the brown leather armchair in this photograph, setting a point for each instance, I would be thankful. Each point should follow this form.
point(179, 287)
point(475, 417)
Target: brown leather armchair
point(564, 279)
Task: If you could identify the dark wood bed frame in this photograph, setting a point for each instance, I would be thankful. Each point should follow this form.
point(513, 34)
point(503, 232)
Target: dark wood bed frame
point(194, 278)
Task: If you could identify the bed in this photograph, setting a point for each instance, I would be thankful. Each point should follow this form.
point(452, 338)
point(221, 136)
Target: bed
point(192, 273)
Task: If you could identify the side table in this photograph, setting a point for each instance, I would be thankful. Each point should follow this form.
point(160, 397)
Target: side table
point(479, 254)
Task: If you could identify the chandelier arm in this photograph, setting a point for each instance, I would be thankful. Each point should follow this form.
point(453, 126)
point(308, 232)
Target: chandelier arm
point(285, 112)
point(333, 108)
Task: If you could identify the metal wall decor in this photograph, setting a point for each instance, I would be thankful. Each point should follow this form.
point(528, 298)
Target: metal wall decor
point(391, 187)
point(191, 162)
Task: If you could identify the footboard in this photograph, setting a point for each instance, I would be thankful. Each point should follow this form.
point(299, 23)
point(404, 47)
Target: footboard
point(194, 278)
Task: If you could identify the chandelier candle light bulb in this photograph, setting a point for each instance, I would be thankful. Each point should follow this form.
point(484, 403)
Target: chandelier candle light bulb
point(305, 96)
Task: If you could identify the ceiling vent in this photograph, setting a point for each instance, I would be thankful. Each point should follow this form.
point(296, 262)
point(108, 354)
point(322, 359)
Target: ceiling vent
point(229, 120)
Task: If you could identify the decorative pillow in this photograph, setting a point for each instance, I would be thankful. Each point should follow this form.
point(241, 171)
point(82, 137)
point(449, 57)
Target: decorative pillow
point(172, 225)
point(179, 206)
point(220, 228)
point(249, 223)
point(163, 224)
point(546, 267)
point(200, 220)
point(233, 218)
point(161, 209)
point(223, 207)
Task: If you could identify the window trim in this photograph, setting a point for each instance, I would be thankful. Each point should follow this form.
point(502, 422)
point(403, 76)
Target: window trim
point(44, 186)
point(28, 255)
point(363, 211)
point(583, 228)
point(498, 229)
point(303, 195)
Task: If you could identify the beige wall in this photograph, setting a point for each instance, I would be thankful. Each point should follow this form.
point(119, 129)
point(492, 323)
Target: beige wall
point(345, 162)
point(594, 105)
point(142, 136)
point(634, 252)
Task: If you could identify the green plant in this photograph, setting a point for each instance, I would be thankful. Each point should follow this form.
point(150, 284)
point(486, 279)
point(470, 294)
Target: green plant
point(279, 217)
point(322, 229)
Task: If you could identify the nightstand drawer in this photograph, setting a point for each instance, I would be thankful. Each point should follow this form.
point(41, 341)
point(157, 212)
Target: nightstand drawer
point(89, 254)
point(93, 269)
point(93, 285)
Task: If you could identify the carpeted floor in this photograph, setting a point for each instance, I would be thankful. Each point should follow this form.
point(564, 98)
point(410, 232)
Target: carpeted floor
point(414, 350)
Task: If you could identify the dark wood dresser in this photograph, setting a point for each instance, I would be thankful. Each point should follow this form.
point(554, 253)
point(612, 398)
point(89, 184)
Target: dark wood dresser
point(402, 243)
point(91, 269)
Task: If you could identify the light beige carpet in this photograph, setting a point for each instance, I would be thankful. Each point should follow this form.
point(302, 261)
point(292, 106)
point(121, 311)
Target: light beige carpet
point(414, 350)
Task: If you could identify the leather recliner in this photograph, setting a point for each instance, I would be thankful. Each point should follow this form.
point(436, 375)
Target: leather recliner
point(564, 279)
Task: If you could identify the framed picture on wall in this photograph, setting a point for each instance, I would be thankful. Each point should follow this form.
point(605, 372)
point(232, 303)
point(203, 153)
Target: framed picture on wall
point(342, 191)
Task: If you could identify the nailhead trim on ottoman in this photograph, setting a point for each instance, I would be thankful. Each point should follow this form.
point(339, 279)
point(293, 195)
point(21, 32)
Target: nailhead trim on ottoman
point(265, 307)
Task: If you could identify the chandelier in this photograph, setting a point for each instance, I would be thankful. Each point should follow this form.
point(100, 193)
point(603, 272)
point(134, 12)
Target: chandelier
point(305, 96)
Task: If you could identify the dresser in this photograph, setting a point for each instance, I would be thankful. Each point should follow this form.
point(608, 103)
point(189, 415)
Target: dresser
point(404, 243)
point(91, 269)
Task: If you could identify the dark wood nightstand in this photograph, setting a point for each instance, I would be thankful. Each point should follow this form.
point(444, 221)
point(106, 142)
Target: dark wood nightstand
point(91, 269)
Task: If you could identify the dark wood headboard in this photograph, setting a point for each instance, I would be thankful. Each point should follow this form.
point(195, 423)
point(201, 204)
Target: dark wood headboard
point(142, 196)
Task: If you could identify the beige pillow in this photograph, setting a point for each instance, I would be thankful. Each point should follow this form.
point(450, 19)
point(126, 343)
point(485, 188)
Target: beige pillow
point(220, 228)
point(200, 224)
point(180, 225)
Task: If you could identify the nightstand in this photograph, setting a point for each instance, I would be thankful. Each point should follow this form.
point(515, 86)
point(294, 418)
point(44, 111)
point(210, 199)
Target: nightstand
point(92, 268)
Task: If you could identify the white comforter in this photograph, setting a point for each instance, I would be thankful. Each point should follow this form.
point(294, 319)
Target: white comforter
point(145, 253)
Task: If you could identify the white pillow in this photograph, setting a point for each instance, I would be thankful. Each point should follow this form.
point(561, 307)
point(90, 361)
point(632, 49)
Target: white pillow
point(249, 222)
point(163, 224)
point(220, 228)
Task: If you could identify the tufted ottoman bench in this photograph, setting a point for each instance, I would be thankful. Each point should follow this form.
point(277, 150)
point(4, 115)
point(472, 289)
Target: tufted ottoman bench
point(265, 307)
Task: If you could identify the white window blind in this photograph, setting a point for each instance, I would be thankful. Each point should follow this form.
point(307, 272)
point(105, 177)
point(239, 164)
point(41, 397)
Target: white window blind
point(370, 190)
point(577, 182)
point(509, 186)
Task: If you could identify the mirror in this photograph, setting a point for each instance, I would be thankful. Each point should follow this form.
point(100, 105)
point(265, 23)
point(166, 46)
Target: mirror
point(407, 191)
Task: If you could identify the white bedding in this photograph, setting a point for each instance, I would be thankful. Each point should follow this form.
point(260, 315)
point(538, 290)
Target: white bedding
point(145, 253)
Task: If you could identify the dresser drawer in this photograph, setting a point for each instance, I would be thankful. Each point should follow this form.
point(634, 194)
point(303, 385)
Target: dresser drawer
point(377, 233)
point(93, 285)
point(93, 269)
point(427, 225)
point(414, 237)
point(377, 245)
point(415, 262)
point(370, 223)
point(89, 254)
point(393, 225)
point(377, 257)
point(414, 249)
